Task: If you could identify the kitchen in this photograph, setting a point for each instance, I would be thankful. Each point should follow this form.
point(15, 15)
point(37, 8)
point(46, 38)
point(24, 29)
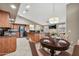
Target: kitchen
point(23, 28)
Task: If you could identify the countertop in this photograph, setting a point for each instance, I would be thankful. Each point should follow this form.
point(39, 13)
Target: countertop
point(7, 36)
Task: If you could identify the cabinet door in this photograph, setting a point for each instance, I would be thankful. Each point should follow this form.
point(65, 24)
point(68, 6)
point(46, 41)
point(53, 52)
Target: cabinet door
point(3, 46)
point(16, 27)
point(7, 45)
point(12, 43)
point(4, 19)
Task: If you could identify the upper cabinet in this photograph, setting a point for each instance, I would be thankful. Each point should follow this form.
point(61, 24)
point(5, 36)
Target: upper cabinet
point(4, 19)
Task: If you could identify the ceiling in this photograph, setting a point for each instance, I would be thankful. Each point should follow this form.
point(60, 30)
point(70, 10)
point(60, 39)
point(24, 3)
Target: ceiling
point(38, 12)
point(41, 12)
point(6, 7)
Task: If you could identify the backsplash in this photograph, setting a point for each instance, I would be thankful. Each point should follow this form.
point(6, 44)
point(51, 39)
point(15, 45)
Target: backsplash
point(7, 32)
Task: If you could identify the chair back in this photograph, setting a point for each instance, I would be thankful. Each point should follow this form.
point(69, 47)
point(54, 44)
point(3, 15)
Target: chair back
point(76, 50)
point(33, 48)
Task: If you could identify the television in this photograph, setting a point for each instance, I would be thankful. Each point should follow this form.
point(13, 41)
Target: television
point(52, 26)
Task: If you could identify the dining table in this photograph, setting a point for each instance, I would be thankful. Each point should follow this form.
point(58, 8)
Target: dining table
point(55, 44)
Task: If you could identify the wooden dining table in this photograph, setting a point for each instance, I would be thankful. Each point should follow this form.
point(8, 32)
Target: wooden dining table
point(55, 44)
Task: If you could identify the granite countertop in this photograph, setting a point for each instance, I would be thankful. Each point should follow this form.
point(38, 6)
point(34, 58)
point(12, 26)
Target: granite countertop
point(7, 36)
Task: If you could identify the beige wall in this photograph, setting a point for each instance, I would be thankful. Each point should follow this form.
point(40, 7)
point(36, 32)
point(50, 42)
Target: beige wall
point(73, 23)
point(22, 20)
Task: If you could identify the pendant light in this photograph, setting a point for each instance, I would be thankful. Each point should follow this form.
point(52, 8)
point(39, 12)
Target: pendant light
point(54, 19)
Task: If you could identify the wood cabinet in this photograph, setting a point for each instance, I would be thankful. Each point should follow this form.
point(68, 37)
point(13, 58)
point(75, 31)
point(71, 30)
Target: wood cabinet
point(35, 37)
point(16, 27)
point(4, 19)
point(7, 45)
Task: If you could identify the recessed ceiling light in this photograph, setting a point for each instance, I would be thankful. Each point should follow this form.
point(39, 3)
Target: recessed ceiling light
point(24, 12)
point(13, 6)
point(28, 6)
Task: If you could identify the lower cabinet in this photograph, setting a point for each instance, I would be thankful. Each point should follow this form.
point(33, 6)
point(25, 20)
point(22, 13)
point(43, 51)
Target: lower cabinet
point(35, 37)
point(7, 45)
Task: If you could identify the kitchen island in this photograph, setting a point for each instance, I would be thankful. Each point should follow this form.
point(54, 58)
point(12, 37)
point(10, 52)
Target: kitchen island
point(7, 44)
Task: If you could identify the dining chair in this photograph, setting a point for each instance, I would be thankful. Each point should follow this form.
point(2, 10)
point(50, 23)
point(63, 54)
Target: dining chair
point(74, 53)
point(33, 48)
point(76, 50)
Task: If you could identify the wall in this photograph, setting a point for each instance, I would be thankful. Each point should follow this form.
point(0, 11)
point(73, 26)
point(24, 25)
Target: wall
point(73, 23)
point(22, 20)
point(46, 29)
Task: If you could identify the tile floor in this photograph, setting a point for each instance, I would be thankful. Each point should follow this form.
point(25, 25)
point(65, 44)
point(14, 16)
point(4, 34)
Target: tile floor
point(23, 48)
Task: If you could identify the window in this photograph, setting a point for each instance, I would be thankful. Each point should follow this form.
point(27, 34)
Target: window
point(31, 27)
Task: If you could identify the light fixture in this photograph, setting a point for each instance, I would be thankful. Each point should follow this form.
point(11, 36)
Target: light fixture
point(13, 6)
point(12, 20)
point(26, 9)
point(54, 19)
point(28, 6)
point(24, 12)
